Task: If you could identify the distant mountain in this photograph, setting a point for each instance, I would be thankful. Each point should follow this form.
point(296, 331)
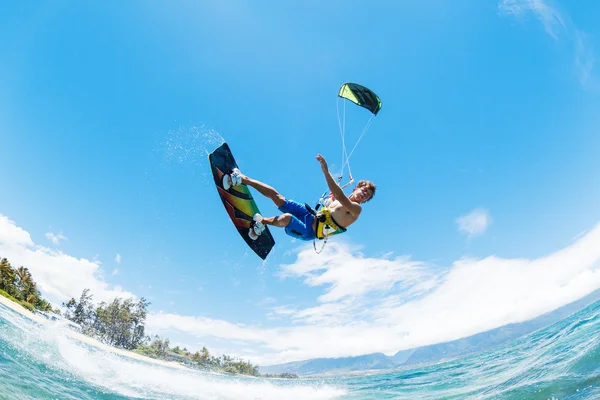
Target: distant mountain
point(322, 365)
point(432, 353)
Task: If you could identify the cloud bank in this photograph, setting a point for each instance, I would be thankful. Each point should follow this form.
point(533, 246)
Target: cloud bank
point(366, 304)
point(388, 304)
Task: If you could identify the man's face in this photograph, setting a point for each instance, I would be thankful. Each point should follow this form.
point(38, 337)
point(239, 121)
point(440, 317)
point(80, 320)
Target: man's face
point(361, 194)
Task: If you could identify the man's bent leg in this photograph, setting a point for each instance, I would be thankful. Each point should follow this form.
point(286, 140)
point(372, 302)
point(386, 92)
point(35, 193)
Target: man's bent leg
point(280, 221)
point(293, 226)
point(265, 190)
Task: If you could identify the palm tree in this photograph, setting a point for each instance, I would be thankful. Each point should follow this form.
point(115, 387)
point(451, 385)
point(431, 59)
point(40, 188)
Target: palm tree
point(26, 285)
point(7, 277)
point(32, 298)
point(4, 272)
point(43, 305)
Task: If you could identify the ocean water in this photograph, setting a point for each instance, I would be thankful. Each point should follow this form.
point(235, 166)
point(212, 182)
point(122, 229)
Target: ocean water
point(561, 361)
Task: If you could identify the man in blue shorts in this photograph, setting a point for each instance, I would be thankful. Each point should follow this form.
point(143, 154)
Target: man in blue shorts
point(299, 220)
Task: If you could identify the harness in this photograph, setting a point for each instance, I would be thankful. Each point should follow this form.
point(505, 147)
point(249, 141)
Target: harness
point(326, 226)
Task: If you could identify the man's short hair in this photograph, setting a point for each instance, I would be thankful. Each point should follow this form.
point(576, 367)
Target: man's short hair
point(369, 185)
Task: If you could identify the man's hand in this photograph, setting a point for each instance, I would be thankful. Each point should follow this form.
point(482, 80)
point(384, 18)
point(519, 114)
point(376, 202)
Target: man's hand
point(323, 163)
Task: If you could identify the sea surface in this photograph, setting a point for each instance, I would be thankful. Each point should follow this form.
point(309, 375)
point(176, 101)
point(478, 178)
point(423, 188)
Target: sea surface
point(561, 361)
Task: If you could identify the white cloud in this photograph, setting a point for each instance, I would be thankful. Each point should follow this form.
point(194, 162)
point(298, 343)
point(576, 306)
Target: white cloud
point(557, 25)
point(55, 238)
point(351, 274)
point(118, 258)
point(58, 275)
point(584, 58)
point(115, 272)
point(279, 311)
point(549, 16)
point(475, 223)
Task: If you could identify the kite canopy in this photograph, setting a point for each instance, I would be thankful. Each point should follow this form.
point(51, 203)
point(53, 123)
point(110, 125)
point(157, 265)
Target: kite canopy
point(361, 96)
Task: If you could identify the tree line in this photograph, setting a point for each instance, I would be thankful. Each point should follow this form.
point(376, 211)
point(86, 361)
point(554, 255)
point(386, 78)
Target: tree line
point(159, 348)
point(120, 323)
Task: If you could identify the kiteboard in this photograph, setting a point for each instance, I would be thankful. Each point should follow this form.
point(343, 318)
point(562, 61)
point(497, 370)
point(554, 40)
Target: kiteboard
point(238, 201)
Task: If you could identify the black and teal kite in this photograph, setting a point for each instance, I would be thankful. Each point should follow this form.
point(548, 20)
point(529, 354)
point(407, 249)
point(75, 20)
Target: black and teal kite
point(361, 96)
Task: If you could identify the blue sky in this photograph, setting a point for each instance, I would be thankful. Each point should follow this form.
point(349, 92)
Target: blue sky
point(485, 157)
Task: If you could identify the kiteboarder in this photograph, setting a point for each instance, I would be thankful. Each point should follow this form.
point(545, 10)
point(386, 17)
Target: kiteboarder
point(300, 220)
point(332, 214)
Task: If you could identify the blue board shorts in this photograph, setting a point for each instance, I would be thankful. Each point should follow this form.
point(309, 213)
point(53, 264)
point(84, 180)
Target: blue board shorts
point(300, 225)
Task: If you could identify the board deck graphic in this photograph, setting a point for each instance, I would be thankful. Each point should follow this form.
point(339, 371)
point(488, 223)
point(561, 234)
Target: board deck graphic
point(238, 201)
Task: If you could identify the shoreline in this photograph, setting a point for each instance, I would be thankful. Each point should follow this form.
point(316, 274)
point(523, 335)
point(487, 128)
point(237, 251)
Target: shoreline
point(87, 339)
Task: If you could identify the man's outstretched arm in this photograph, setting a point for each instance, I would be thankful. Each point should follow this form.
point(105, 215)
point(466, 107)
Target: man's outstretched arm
point(337, 191)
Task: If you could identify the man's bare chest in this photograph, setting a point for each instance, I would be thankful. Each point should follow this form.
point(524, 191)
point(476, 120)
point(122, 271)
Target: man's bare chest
point(340, 214)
